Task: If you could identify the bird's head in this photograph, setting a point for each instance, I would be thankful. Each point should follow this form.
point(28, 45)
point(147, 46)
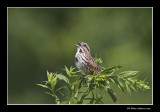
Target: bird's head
point(82, 47)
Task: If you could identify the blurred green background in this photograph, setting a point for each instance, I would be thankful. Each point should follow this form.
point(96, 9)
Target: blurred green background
point(41, 39)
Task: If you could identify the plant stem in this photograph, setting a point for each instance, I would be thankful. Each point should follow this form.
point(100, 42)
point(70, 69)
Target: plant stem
point(79, 86)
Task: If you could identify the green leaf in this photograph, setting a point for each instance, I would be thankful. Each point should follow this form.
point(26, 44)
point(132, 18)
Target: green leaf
point(146, 87)
point(80, 102)
point(62, 77)
point(44, 86)
point(55, 97)
point(127, 87)
point(126, 81)
point(102, 68)
point(73, 101)
point(76, 82)
point(53, 83)
point(50, 94)
point(116, 81)
point(98, 60)
point(67, 71)
point(128, 73)
point(133, 87)
point(111, 69)
point(112, 80)
point(98, 99)
point(119, 84)
point(71, 69)
point(92, 99)
point(64, 102)
point(67, 87)
point(59, 89)
point(135, 77)
point(61, 93)
point(50, 76)
point(46, 82)
point(84, 95)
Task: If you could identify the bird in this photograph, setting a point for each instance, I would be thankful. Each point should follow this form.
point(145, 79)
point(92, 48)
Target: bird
point(84, 61)
point(87, 65)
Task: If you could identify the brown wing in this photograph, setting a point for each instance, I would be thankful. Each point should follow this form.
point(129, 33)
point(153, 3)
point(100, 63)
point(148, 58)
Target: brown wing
point(93, 65)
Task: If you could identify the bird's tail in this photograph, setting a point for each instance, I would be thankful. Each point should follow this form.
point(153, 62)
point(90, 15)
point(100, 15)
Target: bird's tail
point(112, 95)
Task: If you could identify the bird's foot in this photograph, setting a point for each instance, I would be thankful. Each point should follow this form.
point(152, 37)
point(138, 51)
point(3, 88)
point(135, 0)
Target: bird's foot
point(88, 75)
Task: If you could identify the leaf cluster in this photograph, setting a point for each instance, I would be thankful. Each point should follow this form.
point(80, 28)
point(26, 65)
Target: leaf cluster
point(126, 81)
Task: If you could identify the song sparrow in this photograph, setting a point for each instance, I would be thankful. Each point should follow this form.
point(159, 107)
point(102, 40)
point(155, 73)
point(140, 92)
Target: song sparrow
point(84, 61)
point(86, 64)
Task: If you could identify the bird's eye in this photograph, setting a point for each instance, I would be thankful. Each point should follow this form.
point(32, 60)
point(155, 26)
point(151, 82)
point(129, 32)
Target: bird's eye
point(85, 45)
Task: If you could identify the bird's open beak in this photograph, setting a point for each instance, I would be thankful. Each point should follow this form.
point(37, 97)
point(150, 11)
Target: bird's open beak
point(78, 43)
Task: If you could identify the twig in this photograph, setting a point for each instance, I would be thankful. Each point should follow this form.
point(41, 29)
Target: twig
point(79, 86)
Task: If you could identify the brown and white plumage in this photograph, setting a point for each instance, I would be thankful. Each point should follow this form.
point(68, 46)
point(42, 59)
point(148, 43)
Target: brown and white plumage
point(84, 61)
point(86, 64)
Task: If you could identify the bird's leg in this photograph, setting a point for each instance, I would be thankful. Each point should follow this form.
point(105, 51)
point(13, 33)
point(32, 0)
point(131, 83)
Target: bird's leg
point(88, 75)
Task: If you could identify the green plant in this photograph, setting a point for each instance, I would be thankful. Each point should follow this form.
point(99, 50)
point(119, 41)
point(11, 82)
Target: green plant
point(126, 81)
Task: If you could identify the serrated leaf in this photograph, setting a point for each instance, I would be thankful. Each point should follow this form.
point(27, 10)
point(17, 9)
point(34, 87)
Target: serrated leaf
point(62, 77)
point(84, 95)
point(111, 69)
point(50, 94)
point(116, 81)
point(73, 101)
point(133, 88)
point(67, 71)
point(120, 85)
point(128, 73)
point(54, 96)
point(76, 82)
point(61, 93)
point(53, 83)
point(127, 87)
point(98, 60)
point(59, 89)
point(46, 82)
point(135, 77)
point(49, 76)
point(44, 86)
point(71, 69)
point(112, 80)
point(68, 88)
